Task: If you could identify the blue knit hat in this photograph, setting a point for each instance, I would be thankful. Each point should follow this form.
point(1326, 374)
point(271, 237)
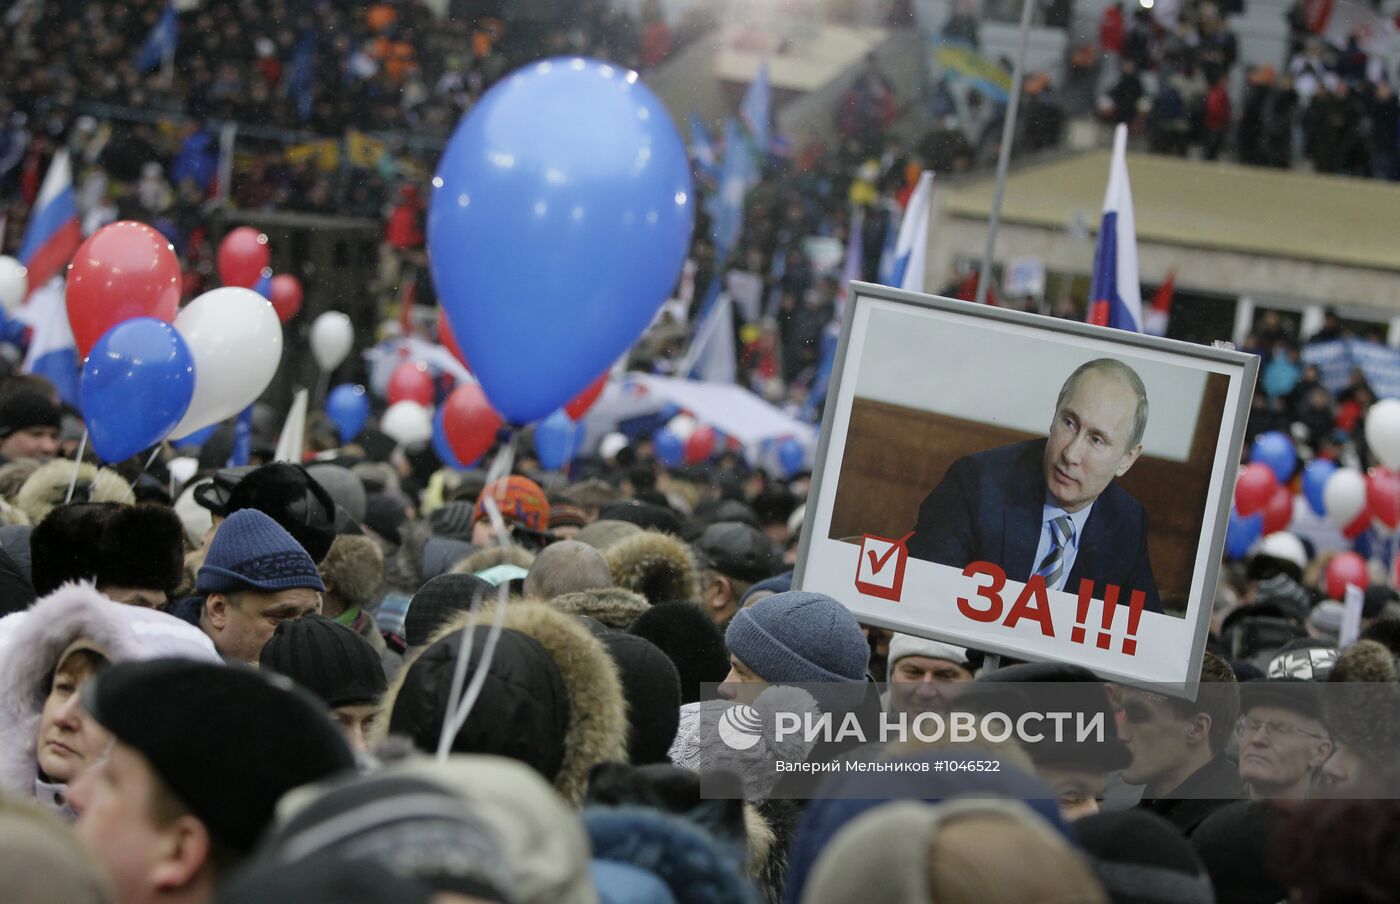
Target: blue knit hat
point(799, 636)
point(252, 552)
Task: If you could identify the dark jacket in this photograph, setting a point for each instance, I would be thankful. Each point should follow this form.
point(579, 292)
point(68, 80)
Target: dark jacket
point(1206, 790)
point(988, 507)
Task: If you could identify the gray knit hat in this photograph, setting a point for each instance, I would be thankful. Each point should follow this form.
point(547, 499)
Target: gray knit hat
point(799, 637)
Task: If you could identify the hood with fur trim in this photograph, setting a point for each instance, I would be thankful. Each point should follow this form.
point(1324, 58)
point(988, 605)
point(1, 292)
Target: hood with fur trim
point(48, 487)
point(35, 638)
point(594, 728)
point(656, 565)
point(613, 606)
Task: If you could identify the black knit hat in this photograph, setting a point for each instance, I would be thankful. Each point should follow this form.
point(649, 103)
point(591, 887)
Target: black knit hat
point(686, 634)
point(437, 601)
point(227, 740)
point(26, 408)
point(653, 691)
point(453, 519)
point(1141, 858)
point(326, 658)
point(1237, 843)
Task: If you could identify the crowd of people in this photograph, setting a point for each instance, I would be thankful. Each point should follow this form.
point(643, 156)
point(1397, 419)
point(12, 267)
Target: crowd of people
point(1328, 107)
point(473, 689)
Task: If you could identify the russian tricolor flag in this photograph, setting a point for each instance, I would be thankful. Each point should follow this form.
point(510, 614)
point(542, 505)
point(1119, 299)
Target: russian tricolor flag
point(52, 353)
point(54, 233)
point(1115, 297)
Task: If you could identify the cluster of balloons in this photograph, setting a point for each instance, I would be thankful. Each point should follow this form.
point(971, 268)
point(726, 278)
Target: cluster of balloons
point(1351, 501)
point(152, 370)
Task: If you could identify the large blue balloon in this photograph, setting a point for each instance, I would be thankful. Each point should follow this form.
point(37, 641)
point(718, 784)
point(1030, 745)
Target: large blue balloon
point(1315, 477)
point(1275, 449)
point(1242, 533)
point(670, 451)
point(136, 384)
point(347, 406)
point(561, 213)
point(557, 440)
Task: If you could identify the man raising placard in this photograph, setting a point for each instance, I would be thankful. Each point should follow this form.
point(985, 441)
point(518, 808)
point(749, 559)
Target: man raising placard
point(1050, 507)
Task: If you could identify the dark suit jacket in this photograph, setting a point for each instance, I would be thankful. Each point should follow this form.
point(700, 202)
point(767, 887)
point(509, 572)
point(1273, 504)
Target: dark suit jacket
point(989, 506)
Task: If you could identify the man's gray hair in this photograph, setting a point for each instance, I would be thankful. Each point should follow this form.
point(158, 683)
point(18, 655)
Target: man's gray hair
point(1116, 368)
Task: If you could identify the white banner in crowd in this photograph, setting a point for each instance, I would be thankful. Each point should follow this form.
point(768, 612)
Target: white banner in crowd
point(1028, 486)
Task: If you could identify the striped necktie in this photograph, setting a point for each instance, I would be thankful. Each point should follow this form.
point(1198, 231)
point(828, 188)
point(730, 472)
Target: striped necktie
point(1052, 567)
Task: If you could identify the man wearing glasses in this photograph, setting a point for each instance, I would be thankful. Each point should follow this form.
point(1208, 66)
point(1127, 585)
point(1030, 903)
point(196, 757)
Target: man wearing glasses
point(1282, 740)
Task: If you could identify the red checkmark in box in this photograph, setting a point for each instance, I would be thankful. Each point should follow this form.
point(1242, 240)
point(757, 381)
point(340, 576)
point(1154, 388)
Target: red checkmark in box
point(880, 571)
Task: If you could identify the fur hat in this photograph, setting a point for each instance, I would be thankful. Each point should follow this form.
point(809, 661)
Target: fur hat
point(612, 606)
point(142, 546)
point(684, 632)
point(1363, 712)
point(290, 496)
point(585, 703)
point(656, 565)
point(695, 868)
point(47, 487)
point(354, 569)
point(65, 546)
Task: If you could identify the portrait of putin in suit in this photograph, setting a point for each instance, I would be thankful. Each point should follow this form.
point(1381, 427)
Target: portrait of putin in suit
point(1051, 506)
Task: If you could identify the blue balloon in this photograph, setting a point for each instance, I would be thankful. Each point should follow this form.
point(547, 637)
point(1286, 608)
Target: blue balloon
point(264, 285)
point(1275, 449)
point(564, 198)
point(791, 456)
point(136, 385)
point(197, 438)
point(347, 406)
point(440, 444)
point(1280, 377)
point(1242, 533)
point(670, 451)
point(1315, 477)
point(557, 440)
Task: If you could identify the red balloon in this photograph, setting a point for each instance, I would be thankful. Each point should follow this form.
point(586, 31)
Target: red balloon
point(1346, 568)
point(123, 270)
point(579, 406)
point(1254, 488)
point(243, 254)
point(411, 382)
point(286, 296)
point(1278, 514)
point(449, 341)
point(470, 423)
point(700, 445)
point(1358, 525)
point(1383, 496)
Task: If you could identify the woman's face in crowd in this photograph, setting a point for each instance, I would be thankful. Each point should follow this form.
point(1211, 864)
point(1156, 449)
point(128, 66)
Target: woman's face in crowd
point(69, 739)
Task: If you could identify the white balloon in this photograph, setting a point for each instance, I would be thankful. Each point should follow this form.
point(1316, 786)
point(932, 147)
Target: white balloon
point(332, 337)
point(407, 423)
point(14, 284)
point(682, 425)
point(235, 339)
point(1383, 431)
point(182, 469)
point(1344, 496)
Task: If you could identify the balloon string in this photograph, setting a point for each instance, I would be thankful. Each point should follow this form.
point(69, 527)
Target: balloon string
point(77, 463)
point(460, 705)
point(152, 460)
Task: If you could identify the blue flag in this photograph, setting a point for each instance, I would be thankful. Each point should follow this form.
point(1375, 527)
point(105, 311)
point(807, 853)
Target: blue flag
point(301, 86)
point(702, 152)
point(755, 111)
point(159, 44)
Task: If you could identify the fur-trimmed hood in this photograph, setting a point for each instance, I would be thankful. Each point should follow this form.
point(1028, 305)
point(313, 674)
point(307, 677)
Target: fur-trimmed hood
point(48, 487)
point(31, 642)
point(613, 606)
point(656, 565)
point(594, 729)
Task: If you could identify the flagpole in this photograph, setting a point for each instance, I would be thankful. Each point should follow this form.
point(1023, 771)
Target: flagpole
point(1008, 132)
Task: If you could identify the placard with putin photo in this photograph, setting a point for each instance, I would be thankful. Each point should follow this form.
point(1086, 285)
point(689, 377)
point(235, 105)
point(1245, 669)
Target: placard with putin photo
point(1028, 486)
